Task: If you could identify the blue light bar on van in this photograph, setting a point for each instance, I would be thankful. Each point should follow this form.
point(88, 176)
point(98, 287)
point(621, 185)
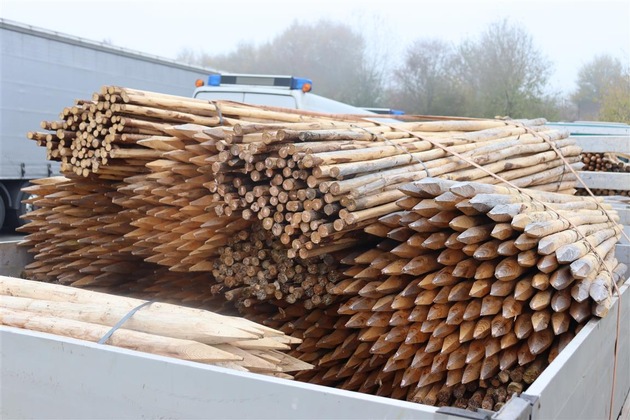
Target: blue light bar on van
point(214, 80)
point(257, 80)
point(302, 84)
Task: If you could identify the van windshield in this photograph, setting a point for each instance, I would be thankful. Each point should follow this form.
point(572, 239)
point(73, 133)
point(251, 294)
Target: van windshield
point(318, 103)
point(295, 100)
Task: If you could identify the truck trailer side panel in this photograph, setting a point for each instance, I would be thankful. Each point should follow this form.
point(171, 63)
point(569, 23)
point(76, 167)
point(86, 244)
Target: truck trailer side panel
point(41, 72)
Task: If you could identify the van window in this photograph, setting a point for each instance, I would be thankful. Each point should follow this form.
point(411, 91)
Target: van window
point(318, 103)
point(219, 95)
point(282, 101)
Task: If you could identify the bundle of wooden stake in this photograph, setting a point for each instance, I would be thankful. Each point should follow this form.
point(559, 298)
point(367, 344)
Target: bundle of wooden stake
point(605, 162)
point(308, 223)
point(310, 178)
point(159, 328)
point(471, 283)
point(101, 135)
point(315, 194)
point(77, 234)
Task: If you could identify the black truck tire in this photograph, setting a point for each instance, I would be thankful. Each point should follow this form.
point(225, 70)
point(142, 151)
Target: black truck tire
point(13, 216)
point(2, 212)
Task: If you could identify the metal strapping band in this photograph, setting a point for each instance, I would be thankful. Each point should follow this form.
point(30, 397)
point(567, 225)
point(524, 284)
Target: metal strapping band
point(122, 321)
point(216, 105)
point(564, 172)
point(402, 149)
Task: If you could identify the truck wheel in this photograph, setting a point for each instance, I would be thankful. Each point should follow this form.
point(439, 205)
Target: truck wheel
point(2, 212)
point(13, 217)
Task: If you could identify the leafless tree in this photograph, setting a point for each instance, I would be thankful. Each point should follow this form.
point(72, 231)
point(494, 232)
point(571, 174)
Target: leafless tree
point(425, 82)
point(595, 79)
point(615, 102)
point(503, 71)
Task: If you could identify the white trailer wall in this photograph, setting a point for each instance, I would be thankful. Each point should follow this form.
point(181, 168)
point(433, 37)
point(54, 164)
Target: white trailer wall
point(42, 71)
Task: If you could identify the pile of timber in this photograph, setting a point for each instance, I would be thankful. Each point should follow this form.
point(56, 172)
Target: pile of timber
point(603, 192)
point(470, 281)
point(310, 178)
point(605, 162)
point(102, 135)
point(318, 192)
point(313, 181)
point(159, 328)
point(345, 358)
point(254, 267)
point(77, 234)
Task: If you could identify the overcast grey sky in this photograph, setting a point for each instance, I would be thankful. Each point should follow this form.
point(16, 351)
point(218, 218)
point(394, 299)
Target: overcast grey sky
point(569, 33)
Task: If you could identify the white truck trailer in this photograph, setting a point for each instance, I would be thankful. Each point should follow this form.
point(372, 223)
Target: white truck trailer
point(43, 71)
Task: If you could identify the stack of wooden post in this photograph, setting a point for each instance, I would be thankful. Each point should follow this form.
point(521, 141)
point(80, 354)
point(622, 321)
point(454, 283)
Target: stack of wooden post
point(101, 135)
point(264, 208)
point(310, 178)
point(607, 162)
point(299, 174)
point(254, 267)
point(472, 281)
point(159, 328)
point(336, 181)
point(267, 199)
point(75, 225)
point(77, 234)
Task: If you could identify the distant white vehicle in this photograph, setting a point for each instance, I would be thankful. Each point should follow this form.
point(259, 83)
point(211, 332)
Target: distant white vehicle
point(593, 128)
point(279, 91)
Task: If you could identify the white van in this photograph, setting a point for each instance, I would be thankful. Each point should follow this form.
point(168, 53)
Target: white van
point(280, 91)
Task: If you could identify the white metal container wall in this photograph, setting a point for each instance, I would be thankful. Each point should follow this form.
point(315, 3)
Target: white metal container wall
point(579, 383)
point(46, 376)
point(41, 72)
